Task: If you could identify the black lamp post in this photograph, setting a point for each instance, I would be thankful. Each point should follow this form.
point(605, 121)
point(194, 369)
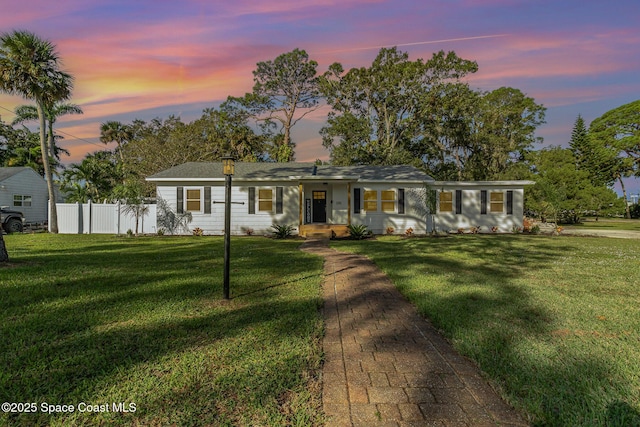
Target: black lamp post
point(228, 168)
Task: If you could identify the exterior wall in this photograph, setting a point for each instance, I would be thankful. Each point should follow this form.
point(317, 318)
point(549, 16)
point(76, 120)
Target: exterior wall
point(26, 183)
point(378, 221)
point(415, 216)
point(241, 219)
point(471, 215)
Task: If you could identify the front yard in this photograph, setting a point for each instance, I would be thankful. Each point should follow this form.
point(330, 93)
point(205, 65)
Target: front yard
point(138, 324)
point(103, 322)
point(554, 321)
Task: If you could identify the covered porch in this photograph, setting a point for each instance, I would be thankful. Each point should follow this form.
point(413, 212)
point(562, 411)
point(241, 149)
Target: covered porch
point(325, 205)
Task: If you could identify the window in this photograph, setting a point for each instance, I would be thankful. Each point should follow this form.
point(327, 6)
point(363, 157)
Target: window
point(388, 198)
point(496, 201)
point(265, 200)
point(371, 200)
point(446, 201)
point(458, 202)
point(193, 200)
point(20, 200)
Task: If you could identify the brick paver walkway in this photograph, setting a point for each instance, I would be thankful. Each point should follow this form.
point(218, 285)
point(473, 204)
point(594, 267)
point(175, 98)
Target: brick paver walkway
point(386, 365)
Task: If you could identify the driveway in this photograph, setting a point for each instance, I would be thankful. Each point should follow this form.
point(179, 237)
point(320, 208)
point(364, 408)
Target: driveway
point(601, 232)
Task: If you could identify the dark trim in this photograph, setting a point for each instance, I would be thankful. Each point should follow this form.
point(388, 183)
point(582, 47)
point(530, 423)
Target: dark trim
point(509, 202)
point(207, 200)
point(279, 191)
point(458, 202)
point(180, 200)
point(483, 202)
point(356, 200)
point(400, 200)
point(252, 200)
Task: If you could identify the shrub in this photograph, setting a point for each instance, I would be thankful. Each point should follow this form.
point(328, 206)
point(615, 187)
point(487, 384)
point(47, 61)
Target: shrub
point(160, 231)
point(460, 230)
point(171, 221)
point(495, 229)
point(408, 232)
point(358, 231)
point(390, 230)
point(249, 231)
point(535, 229)
point(515, 229)
point(198, 231)
point(475, 230)
point(129, 233)
point(282, 231)
point(526, 225)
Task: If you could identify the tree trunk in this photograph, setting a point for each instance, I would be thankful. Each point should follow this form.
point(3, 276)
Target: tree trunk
point(624, 196)
point(53, 220)
point(4, 255)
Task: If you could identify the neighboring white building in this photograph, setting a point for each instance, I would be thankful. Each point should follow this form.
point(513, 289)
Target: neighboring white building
point(24, 190)
point(312, 198)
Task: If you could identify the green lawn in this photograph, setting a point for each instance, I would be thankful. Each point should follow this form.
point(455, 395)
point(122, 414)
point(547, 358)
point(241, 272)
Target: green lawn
point(608, 224)
point(554, 321)
point(100, 320)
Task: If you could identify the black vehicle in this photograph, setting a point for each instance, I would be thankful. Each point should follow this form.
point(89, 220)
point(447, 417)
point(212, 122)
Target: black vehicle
point(12, 221)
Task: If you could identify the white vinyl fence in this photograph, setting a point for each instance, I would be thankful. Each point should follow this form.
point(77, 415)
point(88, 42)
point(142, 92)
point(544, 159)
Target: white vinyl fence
point(94, 218)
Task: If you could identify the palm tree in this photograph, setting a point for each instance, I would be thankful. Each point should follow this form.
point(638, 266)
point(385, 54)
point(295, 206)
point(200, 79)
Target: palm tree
point(25, 113)
point(29, 67)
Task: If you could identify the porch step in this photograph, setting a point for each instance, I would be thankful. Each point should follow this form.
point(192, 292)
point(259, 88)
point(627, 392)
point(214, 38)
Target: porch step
point(326, 231)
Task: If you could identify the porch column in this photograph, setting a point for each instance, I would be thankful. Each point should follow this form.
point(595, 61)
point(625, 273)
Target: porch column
point(348, 203)
point(300, 205)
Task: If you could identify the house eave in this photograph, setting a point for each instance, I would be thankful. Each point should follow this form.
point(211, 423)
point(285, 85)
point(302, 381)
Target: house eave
point(471, 184)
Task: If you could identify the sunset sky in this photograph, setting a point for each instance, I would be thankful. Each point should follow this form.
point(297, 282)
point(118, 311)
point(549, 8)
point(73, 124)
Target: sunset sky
point(140, 59)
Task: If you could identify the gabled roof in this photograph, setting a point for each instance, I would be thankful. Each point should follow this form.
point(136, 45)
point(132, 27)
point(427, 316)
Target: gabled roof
point(212, 171)
point(8, 172)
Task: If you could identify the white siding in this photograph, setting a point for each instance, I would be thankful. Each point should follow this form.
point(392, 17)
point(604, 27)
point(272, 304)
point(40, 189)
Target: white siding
point(378, 221)
point(26, 183)
point(241, 219)
point(471, 215)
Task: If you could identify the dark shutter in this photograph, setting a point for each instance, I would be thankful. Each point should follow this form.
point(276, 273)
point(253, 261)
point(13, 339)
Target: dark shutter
point(278, 200)
point(252, 200)
point(207, 200)
point(400, 200)
point(180, 200)
point(510, 202)
point(356, 200)
point(483, 202)
point(458, 202)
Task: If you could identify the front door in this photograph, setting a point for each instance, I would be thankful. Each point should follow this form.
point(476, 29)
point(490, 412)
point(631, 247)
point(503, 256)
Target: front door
point(319, 206)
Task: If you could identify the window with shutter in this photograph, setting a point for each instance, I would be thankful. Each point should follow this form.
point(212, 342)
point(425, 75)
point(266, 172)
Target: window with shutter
point(446, 201)
point(388, 200)
point(265, 200)
point(496, 202)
